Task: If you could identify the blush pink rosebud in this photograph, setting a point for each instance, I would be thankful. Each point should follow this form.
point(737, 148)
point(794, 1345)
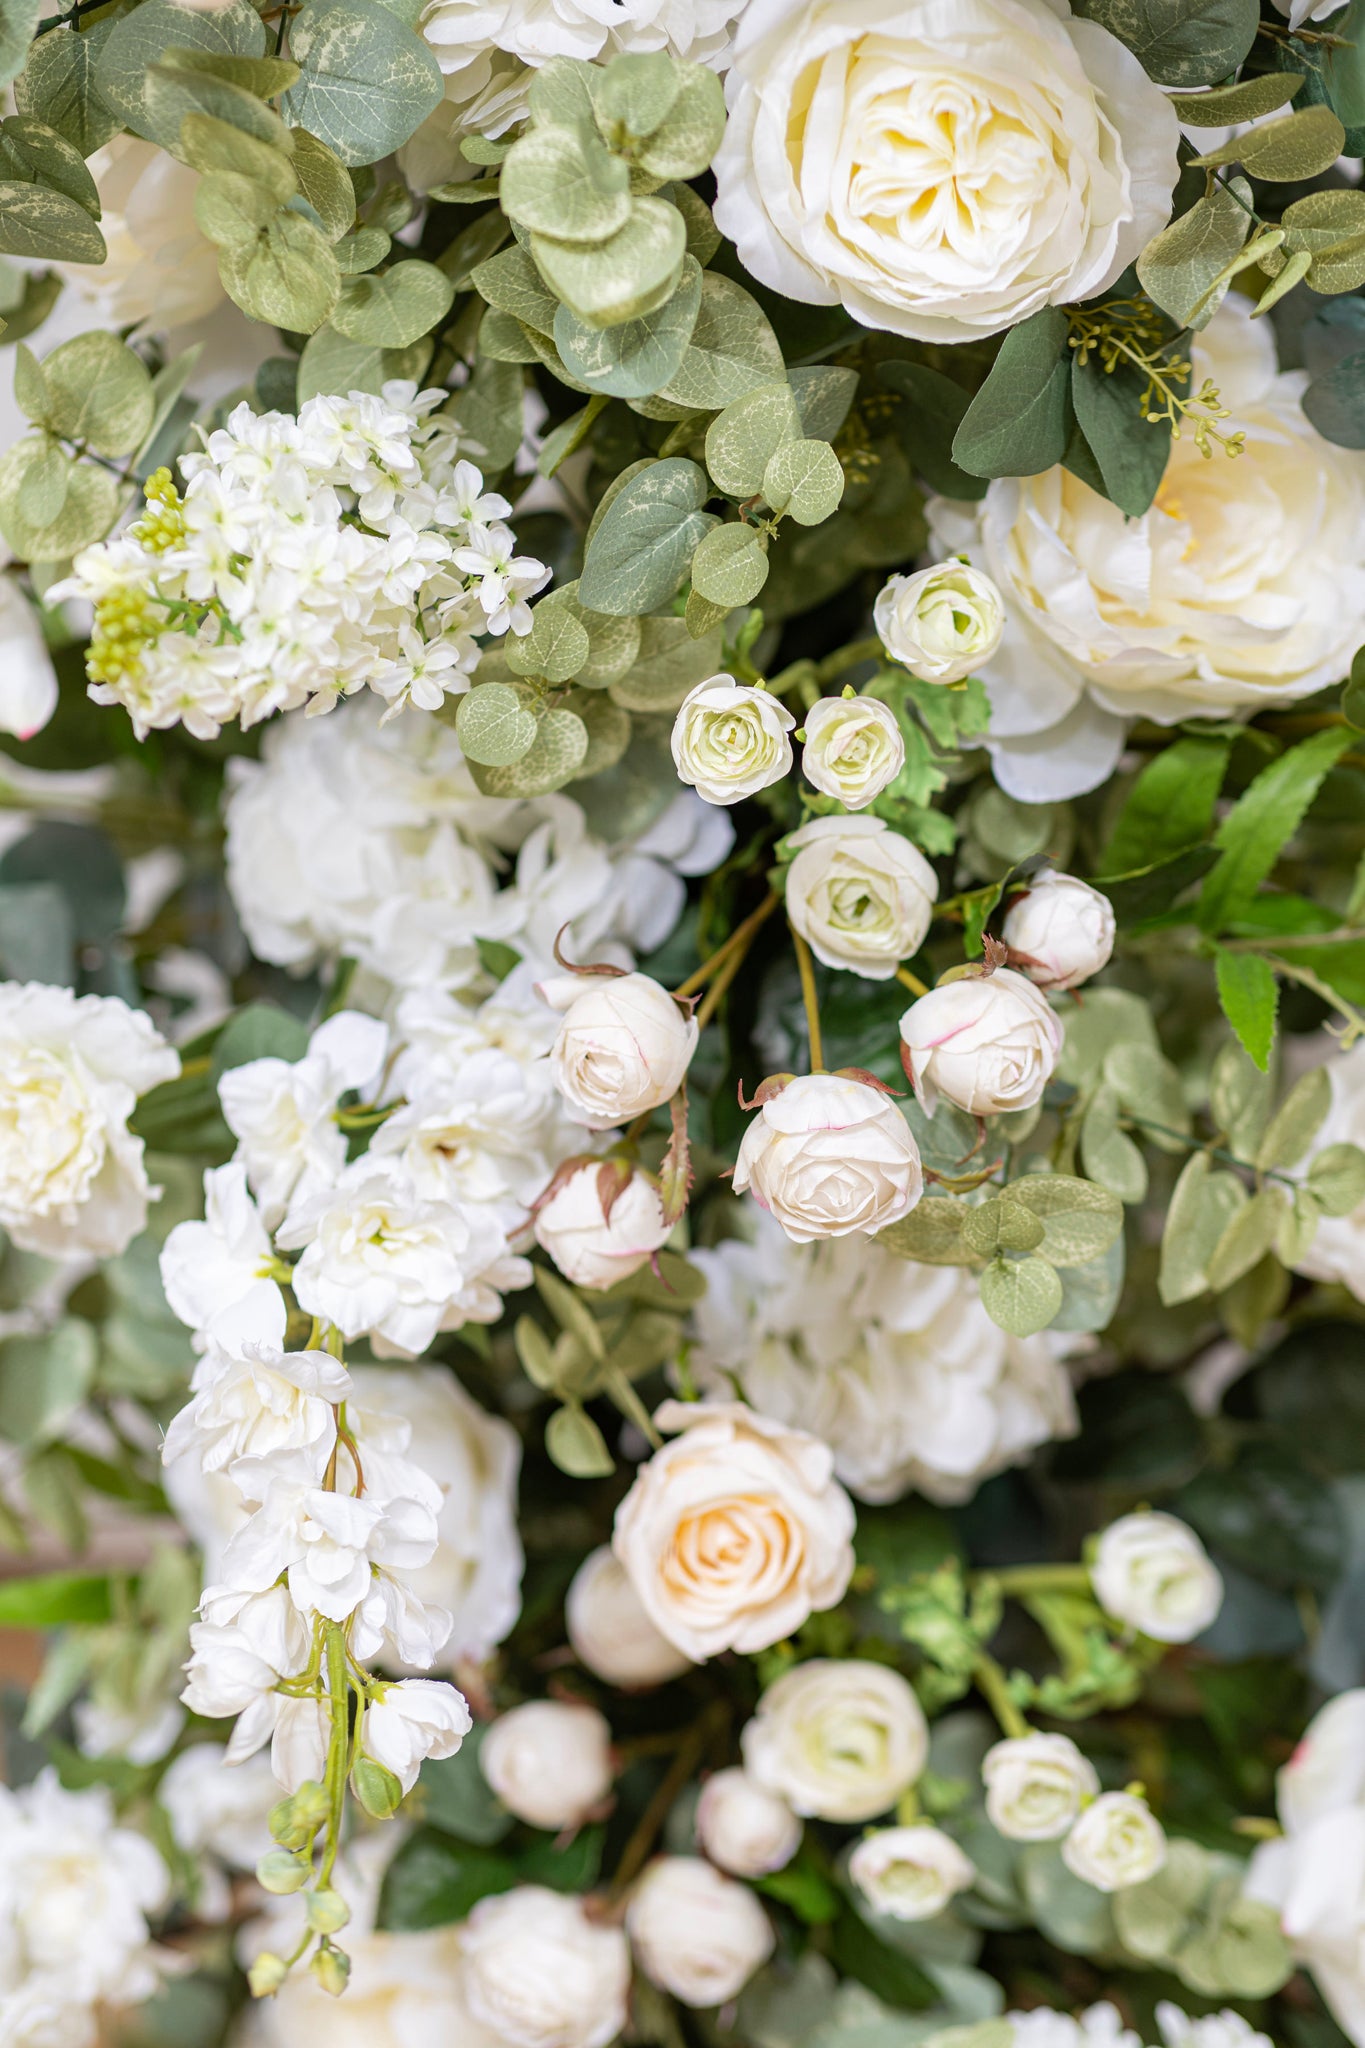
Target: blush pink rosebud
point(1060, 931)
point(828, 1155)
point(624, 1045)
point(987, 1043)
point(596, 1231)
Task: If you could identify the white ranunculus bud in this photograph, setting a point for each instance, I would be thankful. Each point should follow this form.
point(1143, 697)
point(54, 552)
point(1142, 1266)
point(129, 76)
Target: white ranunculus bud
point(743, 1827)
point(695, 1933)
point(941, 623)
point(860, 895)
point(828, 1156)
point(736, 1532)
point(1035, 1786)
point(910, 1873)
point(837, 1738)
point(412, 1720)
point(730, 739)
point(1152, 1572)
point(987, 1042)
point(1117, 1841)
point(587, 1248)
point(853, 749)
point(538, 1973)
point(1061, 929)
point(549, 1762)
point(609, 1630)
point(624, 1045)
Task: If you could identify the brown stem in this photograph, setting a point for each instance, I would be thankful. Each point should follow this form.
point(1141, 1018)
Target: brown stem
point(740, 936)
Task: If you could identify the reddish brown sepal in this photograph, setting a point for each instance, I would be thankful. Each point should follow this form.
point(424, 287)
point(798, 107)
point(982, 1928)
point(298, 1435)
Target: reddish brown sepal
point(868, 1080)
point(613, 1178)
point(766, 1091)
point(603, 967)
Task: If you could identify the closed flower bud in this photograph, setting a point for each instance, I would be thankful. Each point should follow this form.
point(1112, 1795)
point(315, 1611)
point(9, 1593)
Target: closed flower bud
point(828, 1156)
point(590, 1248)
point(743, 1827)
point(910, 1873)
point(1062, 931)
point(837, 1738)
point(332, 1968)
point(610, 1632)
point(1152, 1572)
point(623, 1046)
point(1117, 1841)
point(328, 1912)
point(377, 1789)
point(942, 623)
point(853, 749)
point(280, 1871)
point(549, 1762)
point(860, 895)
point(266, 1974)
point(695, 1933)
point(730, 740)
point(1036, 1785)
point(987, 1043)
point(415, 1719)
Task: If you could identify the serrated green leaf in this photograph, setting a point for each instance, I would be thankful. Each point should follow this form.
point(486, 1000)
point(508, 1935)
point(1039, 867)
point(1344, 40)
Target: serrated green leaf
point(636, 357)
point(1020, 1295)
point(730, 565)
point(733, 350)
point(395, 309)
point(641, 551)
point(47, 225)
point(287, 277)
point(57, 84)
point(367, 81)
point(626, 277)
point(142, 37)
point(742, 440)
point(1017, 424)
point(1260, 823)
point(1286, 151)
point(564, 181)
point(1203, 1204)
point(1249, 994)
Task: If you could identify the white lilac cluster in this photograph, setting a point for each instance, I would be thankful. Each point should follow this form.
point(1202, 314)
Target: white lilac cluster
point(309, 558)
point(1100, 2026)
point(351, 836)
point(896, 1366)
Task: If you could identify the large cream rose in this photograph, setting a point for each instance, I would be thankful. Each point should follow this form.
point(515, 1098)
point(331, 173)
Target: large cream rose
point(736, 1532)
point(941, 168)
point(837, 1738)
point(1241, 589)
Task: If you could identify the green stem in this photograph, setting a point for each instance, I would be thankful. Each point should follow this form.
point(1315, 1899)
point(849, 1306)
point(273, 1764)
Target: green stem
point(1018, 1581)
point(740, 936)
point(845, 658)
point(1147, 1123)
point(338, 1750)
point(992, 1684)
point(806, 969)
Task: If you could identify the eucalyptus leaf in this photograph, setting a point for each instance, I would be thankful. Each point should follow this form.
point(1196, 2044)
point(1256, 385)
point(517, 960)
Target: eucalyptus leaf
point(324, 183)
point(1180, 42)
point(1226, 105)
point(331, 363)
point(494, 726)
point(47, 225)
point(635, 357)
point(1020, 1295)
point(99, 393)
point(1336, 1179)
point(1079, 1220)
point(626, 277)
point(733, 349)
point(1186, 268)
point(367, 81)
point(641, 551)
point(395, 309)
point(89, 508)
point(1203, 1205)
point(730, 565)
point(669, 660)
point(683, 144)
point(142, 37)
point(287, 277)
point(57, 84)
point(741, 440)
point(564, 182)
point(804, 480)
point(1286, 151)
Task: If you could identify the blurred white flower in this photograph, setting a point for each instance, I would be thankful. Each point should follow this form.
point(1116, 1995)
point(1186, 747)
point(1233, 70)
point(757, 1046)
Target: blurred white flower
point(1117, 1841)
point(696, 1933)
point(541, 1974)
point(609, 1630)
point(1036, 1785)
point(744, 1828)
point(549, 1762)
point(910, 1873)
point(1152, 1572)
point(837, 1738)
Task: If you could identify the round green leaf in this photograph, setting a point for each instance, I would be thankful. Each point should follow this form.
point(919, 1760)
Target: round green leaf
point(325, 184)
point(636, 357)
point(287, 278)
point(634, 93)
point(1336, 1177)
point(608, 729)
point(577, 1445)
point(565, 182)
point(331, 363)
point(683, 145)
point(730, 565)
point(98, 392)
point(232, 211)
point(732, 350)
point(367, 80)
point(742, 440)
point(623, 278)
point(494, 726)
point(1021, 1295)
point(170, 93)
point(396, 309)
point(557, 755)
point(805, 480)
point(556, 646)
point(1000, 1225)
point(144, 35)
point(211, 145)
point(43, 489)
point(48, 225)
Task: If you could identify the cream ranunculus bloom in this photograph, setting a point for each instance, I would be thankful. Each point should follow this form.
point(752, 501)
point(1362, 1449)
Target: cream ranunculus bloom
point(837, 1738)
point(549, 1761)
point(623, 1045)
point(1035, 1785)
point(852, 750)
point(696, 1933)
point(861, 895)
point(940, 170)
point(941, 623)
point(988, 1042)
point(743, 1827)
point(828, 1156)
point(1117, 1841)
point(609, 1630)
point(1241, 589)
point(730, 739)
point(910, 1873)
point(736, 1532)
point(1152, 1572)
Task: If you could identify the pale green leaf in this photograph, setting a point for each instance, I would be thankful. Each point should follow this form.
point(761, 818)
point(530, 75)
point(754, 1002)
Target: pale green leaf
point(1184, 266)
point(1203, 1205)
point(636, 357)
point(494, 727)
point(325, 184)
point(98, 392)
point(733, 349)
point(564, 181)
point(331, 363)
point(211, 145)
point(1336, 1179)
point(576, 1444)
point(287, 277)
point(932, 1234)
point(669, 660)
point(804, 480)
point(1248, 1236)
point(395, 309)
point(1227, 105)
point(1286, 151)
point(1021, 1295)
point(47, 225)
point(556, 646)
point(368, 81)
point(730, 566)
point(142, 37)
point(741, 440)
point(1296, 1122)
point(89, 508)
point(1108, 1154)
point(1080, 1220)
point(683, 144)
point(641, 551)
point(633, 94)
point(626, 277)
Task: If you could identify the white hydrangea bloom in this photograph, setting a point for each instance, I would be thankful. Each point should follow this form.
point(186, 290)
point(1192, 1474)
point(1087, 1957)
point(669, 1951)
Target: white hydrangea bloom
point(465, 33)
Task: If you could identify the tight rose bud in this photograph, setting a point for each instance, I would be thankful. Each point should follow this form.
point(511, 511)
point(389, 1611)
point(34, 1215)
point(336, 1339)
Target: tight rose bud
point(537, 1973)
point(587, 1248)
point(743, 1827)
point(910, 1873)
point(695, 1933)
point(837, 1738)
point(1062, 929)
point(609, 1630)
point(1036, 1785)
point(828, 1156)
point(624, 1045)
point(549, 1762)
point(853, 749)
point(730, 740)
point(860, 895)
point(412, 1720)
point(988, 1043)
point(1117, 1841)
point(942, 623)
point(1152, 1572)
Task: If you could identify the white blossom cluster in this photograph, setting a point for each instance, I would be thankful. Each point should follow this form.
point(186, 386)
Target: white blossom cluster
point(467, 36)
point(308, 559)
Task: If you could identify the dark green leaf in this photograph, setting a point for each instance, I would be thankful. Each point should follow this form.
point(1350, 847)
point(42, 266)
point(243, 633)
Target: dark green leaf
point(434, 1881)
point(1017, 424)
point(1131, 450)
point(1263, 819)
point(1180, 42)
point(1170, 806)
point(1270, 1516)
point(1335, 402)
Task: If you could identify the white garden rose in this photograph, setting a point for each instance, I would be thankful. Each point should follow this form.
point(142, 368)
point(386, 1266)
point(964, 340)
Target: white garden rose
point(623, 1047)
point(829, 1155)
point(730, 739)
point(1337, 1249)
point(71, 1070)
point(910, 1873)
point(1152, 1572)
point(590, 1248)
point(987, 1042)
point(861, 895)
point(941, 623)
point(1061, 929)
point(853, 748)
point(609, 1630)
point(695, 1933)
point(1117, 1841)
point(549, 1762)
point(743, 1827)
point(942, 172)
point(540, 1974)
point(161, 270)
point(1036, 1785)
point(736, 1532)
point(837, 1738)
point(1236, 592)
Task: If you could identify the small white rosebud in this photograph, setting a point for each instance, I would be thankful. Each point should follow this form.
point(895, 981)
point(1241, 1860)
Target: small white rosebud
point(860, 895)
point(853, 749)
point(1117, 1841)
point(730, 739)
point(695, 1933)
point(624, 1045)
point(828, 1156)
point(589, 1249)
point(608, 1627)
point(743, 1827)
point(415, 1719)
point(986, 1042)
point(1062, 929)
point(1035, 1786)
point(549, 1762)
point(910, 1873)
point(941, 623)
point(1152, 1572)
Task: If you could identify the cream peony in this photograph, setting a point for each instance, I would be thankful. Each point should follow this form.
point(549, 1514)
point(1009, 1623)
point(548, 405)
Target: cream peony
point(161, 271)
point(549, 1762)
point(540, 1974)
point(1152, 1572)
point(71, 1070)
point(940, 171)
point(590, 1248)
point(736, 1532)
point(861, 895)
point(838, 1739)
point(696, 1933)
point(910, 1873)
point(1036, 1786)
point(988, 1042)
point(730, 739)
point(1061, 929)
point(852, 750)
point(941, 623)
point(1238, 591)
point(609, 1630)
point(1117, 1841)
point(830, 1155)
point(743, 1827)
point(1337, 1250)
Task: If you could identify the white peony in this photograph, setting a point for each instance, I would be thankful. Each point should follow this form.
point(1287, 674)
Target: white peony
point(623, 1046)
point(71, 1070)
point(829, 1155)
point(987, 1042)
point(853, 748)
point(1337, 1249)
point(743, 1827)
point(1152, 1572)
point(860, 895)
point(1224, 2029)
point(540, 1974)
point(910, 1873)
point(941, 623)
point(1117, 1841)
point(415, 1719)
point(730, 739)
point(1233, 594)
point(1099, 2026)
point(160, 270)
point(1059, 931)
point(609, 1630)
point(940, 172)
point(549, 1762)
point(695, 1933)
point(837, 1738)
point(1036, 1785)
point(591, 1248)
point(735, 1532)
point(28, 681)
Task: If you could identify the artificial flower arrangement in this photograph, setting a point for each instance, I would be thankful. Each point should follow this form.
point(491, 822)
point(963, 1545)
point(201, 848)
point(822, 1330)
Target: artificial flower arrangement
point(682, 1037)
